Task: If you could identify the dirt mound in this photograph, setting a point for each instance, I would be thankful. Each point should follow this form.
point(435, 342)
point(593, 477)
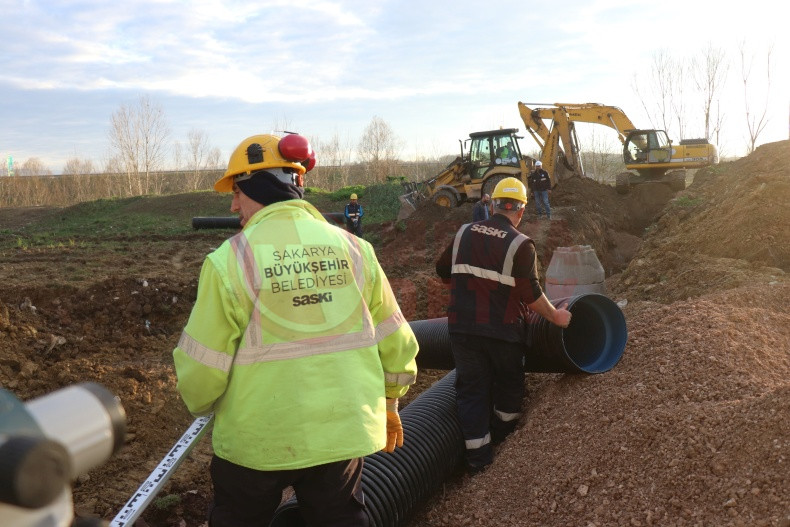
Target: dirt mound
point(729, 228)
point(689, 429)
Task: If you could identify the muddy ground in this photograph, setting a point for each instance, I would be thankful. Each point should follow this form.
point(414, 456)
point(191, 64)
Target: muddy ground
point(691, 428)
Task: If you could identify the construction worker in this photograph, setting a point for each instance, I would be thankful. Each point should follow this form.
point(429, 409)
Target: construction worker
point(540, 183)
point(480, 211)
point(354, 215)
point(297, 345)
point(492, 271)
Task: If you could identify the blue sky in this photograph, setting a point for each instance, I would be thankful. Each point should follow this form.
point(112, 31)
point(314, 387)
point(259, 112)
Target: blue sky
point(433, 70)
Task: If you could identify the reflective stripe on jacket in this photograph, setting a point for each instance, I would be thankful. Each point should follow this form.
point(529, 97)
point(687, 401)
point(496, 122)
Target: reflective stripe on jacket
point(294, 341)
point(492, 268)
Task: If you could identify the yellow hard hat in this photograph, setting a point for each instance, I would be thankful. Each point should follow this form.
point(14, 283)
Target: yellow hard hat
point(260, 152)
point(511, 188)
point(353, 196)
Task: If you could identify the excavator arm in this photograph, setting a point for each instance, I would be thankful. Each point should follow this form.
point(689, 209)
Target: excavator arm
point(563, 132)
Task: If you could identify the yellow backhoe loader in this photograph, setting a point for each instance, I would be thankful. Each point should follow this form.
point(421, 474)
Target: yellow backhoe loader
point(493, 155)
point(648, 152)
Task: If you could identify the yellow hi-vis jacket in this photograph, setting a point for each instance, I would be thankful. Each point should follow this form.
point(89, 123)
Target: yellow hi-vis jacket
point(294, 341)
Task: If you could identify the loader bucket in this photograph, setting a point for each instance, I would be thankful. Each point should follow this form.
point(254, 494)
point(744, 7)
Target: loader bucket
point(409, 200)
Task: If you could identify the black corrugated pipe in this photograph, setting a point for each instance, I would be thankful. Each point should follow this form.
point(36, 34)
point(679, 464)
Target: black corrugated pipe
point(395, 484)
point(434, 340)
point(233, 222)
point(593, 343)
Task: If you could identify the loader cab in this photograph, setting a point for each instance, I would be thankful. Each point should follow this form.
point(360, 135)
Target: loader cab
point(493, 148)
point(646, 147)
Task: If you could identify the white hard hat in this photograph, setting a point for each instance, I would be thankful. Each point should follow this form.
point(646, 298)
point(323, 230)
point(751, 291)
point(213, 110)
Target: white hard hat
point(538, 163)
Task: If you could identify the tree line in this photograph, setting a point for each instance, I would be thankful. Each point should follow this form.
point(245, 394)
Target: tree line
point(677, 93)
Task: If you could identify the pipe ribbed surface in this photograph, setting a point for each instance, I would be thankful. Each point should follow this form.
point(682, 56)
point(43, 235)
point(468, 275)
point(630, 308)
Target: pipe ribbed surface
point(395, 484)
point(593, 343)
point(434, 340)
point(233, 222)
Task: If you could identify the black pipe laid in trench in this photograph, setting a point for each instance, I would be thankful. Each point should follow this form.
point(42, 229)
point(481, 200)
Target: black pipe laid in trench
point(395, 484)
point(233, 222)
point(593, 343)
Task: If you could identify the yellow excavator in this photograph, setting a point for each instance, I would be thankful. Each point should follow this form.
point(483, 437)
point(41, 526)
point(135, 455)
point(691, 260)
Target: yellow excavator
point(648, 152)
point(492, 156)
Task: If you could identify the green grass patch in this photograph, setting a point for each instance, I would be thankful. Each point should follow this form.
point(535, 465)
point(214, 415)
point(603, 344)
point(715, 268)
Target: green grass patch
point(105, 221)
point(167, 502)
point(687, 201)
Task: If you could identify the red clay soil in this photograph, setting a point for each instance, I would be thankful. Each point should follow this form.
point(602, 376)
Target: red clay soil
point(691, 428)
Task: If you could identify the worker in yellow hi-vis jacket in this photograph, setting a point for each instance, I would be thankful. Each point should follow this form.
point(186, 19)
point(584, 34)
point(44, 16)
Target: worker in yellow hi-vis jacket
point(297, 345)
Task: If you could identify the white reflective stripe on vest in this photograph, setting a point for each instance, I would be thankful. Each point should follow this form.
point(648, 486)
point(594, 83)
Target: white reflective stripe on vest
point(511, 254)
point(204, 355)
point(252, 280)
point(479, 272)
point(369, 336)
point(504, 277)
point(389, 325)
point(472, 444)
point(457, 240)
point(357, 261)
point(248, 354)
point(506, 417)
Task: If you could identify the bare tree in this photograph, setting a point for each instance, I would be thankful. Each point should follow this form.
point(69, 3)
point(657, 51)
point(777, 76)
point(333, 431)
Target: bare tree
point(709, 73)
point(138, 136)
point(601, 155)
point(76, 166)
point(656, 99)
point(214, 159)
point(333, 162)
point(677, 87)
point(198, 151)
point(33, 167)
point(755, 120)
point(378, 149)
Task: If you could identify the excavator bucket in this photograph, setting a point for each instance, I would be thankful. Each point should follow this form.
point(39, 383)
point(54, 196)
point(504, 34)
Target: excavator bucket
point(409, 200)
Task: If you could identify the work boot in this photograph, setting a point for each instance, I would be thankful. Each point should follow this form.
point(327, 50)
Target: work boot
point(473, 470)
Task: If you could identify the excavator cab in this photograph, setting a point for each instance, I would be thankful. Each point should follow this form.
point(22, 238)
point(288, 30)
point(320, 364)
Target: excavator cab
point(493, 149)
point(647, 146)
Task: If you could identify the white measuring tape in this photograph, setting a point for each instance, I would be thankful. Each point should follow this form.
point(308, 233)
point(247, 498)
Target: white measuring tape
point(151, 486)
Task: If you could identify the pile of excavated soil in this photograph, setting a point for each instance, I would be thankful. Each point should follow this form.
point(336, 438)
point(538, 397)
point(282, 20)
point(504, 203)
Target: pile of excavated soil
point(728, 229)
point(689, 429)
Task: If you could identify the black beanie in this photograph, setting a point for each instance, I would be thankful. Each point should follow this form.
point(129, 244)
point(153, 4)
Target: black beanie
point(265, 188)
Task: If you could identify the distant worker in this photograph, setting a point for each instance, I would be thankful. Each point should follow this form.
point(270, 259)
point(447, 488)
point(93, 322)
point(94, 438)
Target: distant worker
point(507, 154)
point(480, 211)
point(540, 183)
point(354, 215)
point(492, 271)
point(297, 345)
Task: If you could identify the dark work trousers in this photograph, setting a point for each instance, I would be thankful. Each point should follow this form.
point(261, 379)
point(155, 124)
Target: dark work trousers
point(329, 495)
point(354, 228)
point(489, 387)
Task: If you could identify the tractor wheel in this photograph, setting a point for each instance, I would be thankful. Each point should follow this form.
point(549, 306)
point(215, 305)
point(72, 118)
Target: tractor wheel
point(622, 182)
point(490, 184)
point(445, 198)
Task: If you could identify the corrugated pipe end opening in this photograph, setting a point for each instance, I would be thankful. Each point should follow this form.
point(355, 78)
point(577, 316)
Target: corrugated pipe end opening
point(596, 338)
